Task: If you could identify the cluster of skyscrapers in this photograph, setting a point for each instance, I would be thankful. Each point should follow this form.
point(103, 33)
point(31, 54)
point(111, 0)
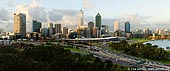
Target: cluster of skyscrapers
point(52, 31)
point(97, 29)
point(93, 29)
point(37, 30)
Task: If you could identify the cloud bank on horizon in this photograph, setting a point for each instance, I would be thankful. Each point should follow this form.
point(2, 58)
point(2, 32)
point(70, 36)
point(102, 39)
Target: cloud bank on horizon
point(68, 18)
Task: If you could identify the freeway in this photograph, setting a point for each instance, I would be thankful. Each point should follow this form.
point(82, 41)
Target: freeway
point(123, 59)
point(103, 53)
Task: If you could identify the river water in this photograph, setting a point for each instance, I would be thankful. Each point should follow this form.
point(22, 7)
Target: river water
point(160, 43)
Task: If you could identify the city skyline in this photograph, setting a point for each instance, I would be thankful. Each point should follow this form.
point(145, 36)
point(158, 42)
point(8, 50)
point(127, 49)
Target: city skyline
point(139, 13)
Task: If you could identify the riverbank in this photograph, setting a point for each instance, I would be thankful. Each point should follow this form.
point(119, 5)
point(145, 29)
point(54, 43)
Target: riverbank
point(160, 43)
point(141, 51)
point(137, 40)
point(161, 61)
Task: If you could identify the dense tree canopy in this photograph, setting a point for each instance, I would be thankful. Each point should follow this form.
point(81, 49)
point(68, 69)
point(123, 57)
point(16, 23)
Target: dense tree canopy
point(50, 58)
point(141, 50)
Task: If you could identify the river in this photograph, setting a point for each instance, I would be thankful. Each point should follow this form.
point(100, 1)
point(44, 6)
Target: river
point(160, 43)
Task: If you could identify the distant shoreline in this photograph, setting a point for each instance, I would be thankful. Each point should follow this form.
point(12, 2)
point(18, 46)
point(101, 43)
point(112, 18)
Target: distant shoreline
point(159, 43)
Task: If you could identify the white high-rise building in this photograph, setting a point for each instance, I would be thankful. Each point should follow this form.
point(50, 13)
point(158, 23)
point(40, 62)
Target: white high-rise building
point(116, 26)
point(146, 31)
point(20, 24)
point(65, 30)
point(80, 19)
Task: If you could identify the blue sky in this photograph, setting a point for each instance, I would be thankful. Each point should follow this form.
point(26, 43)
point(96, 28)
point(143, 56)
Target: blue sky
point(114, 8)
point(109, 8)
point(155, 13)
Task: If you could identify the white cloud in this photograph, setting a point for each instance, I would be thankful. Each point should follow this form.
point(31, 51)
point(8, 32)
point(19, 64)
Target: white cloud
point(58, 14)
point(8, 26)
point(137, 21)
point(10, 3)
point(87, 4)
point(34, 4)
point(36, 11)
point(69, 18)
point(4, 15)
point(6, 20)
point(69, 21)
point(33, 11)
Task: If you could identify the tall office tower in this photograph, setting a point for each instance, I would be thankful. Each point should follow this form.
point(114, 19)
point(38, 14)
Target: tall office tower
point(90, 26)
point(54, 30)
point(95, 32)
point(58, 28)
point(80, 19)
point(127, 27)
point(146, 31)
point(116, 26)
point(153, 36)
point(105, 26)
point(87, 32)
point(50, 29)
point(162, 32)
point(44, 32)
point(157, 31)
point(20, 24)
point(65, 30)
point(104, 29)
point(36, 26)
point(80, 32)
point(167, 31)
point(138, 31)
point(98, 21)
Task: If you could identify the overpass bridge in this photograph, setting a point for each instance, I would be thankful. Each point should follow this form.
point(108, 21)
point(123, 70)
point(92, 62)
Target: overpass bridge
point(107, 39)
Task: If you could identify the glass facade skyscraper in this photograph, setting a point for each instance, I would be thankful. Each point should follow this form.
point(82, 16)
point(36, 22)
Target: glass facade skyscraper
point(127, 27)
point(36, 26)
point(98, 21)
